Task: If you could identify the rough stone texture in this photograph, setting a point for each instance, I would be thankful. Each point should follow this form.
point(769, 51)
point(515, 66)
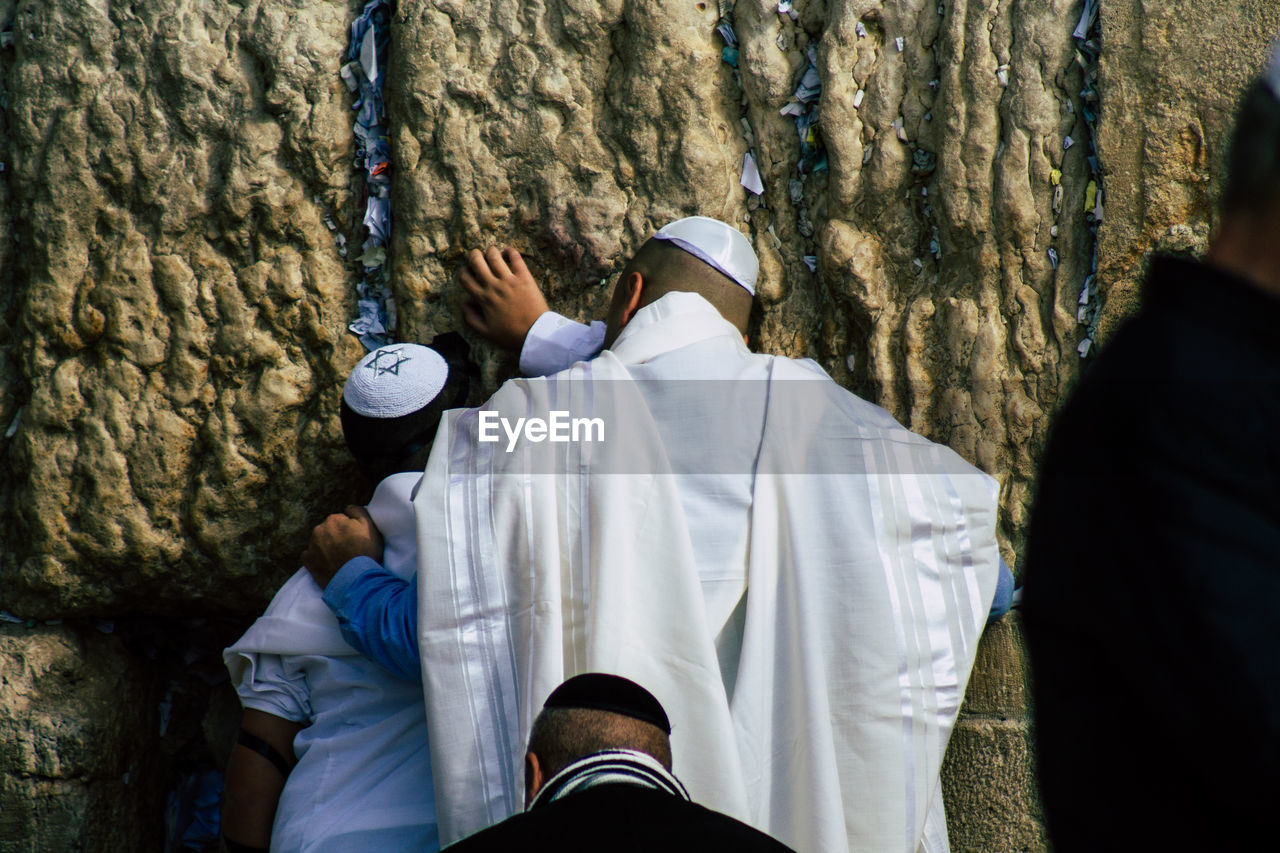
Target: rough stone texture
point(180, 331)
point(172, 304)
point(1163, 140)
point(9, 374)
point(543, 126)
point(989, 788)
point(77, 770)
point(999, 688)
point(988, 778)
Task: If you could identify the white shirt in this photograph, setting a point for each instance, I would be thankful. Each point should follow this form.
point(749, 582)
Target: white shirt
point(555, 342)
point(363, 778)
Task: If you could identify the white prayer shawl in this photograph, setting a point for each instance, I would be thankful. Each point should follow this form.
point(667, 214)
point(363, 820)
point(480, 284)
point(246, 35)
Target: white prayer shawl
point(868, 589)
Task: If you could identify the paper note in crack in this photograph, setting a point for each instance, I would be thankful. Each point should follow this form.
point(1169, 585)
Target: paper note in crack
point(751, 175)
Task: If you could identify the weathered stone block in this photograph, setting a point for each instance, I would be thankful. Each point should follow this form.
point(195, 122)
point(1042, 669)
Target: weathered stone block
point(568, 129)
point(998, 686)
point(989, 785)
point(78, 768)
point(180, 301)
point(1163, 137)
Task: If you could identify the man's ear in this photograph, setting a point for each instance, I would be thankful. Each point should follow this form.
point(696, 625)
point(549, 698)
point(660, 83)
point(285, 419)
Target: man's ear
point(533, 777)
point(628, 294)
point(633, 290)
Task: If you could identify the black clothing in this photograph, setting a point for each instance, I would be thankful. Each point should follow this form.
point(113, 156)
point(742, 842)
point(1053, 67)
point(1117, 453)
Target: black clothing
point(620, 818)
point(1152, 584)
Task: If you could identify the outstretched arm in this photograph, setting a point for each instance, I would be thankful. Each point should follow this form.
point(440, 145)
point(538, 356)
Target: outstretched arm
point(508, 309)
point(505, 300)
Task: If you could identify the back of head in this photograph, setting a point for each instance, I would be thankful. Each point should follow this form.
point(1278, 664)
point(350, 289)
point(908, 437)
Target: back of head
point(1253, 163)
point(667, 268)
point(561, 736)
point(596, 711)
point(393, 401)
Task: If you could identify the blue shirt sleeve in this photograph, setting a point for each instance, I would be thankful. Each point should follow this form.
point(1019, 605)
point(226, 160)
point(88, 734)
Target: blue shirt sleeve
point(378, 615)
point(1004, 594)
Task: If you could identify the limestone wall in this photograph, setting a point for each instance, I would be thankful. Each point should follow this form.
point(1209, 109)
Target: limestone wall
point(173, 303)
point(1165, 147)
point(178, 336)
point(76, 759)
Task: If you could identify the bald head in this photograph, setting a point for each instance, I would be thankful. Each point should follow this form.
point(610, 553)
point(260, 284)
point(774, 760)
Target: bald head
point(661, 267)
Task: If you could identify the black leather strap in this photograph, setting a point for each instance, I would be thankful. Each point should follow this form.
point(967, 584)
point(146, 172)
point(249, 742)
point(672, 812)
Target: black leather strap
point(266, 750)
point(237, 847)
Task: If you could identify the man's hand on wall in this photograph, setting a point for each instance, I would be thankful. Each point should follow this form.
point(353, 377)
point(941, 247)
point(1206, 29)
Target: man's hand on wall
point(505, 300)
point(339, 538)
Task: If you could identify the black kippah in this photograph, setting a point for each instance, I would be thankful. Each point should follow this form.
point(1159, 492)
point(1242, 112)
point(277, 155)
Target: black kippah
point(603, 692)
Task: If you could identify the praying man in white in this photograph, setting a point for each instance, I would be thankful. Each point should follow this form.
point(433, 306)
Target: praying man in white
point(799, 579)
point(332, 753)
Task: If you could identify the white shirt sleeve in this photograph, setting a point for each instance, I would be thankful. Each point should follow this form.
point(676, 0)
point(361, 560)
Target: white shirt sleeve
point(269, 684)
point(555, 342)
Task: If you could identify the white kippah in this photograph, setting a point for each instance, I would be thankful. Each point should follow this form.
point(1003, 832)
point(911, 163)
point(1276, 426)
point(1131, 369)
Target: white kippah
point(718, 244)
point(395, 380)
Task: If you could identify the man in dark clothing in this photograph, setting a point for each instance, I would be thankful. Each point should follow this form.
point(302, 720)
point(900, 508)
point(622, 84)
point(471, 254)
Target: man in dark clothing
point(1152, 597)
point(598, 777)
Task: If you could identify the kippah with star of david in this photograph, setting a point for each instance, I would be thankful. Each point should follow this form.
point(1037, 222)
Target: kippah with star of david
point(600, 691)
point(395, 380)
